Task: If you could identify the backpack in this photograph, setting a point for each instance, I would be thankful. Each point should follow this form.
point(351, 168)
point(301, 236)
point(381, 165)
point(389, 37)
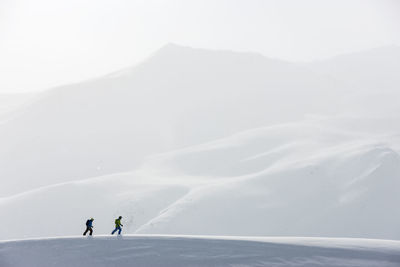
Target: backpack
point(87, 222)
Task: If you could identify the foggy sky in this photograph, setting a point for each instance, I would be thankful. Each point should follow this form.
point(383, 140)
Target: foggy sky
point(44, 43)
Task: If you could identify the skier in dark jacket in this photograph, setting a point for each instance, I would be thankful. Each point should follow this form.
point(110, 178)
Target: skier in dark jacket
point(89, 226)
point(118, 225)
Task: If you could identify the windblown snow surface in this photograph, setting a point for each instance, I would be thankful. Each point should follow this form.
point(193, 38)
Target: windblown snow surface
point(198, 251)
point(296, 179)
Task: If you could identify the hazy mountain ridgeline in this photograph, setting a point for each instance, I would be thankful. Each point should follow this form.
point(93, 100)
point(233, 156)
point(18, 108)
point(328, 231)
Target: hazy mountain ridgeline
point(180, 96)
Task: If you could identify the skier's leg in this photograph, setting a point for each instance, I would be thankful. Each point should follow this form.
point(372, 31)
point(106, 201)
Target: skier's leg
point(90, 231)
point(87, 229)
point(114, 231)
point(120, 229)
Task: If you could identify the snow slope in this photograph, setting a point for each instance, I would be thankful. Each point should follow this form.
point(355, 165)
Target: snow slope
point(297, 179)
point(198, 251)
point(178, 97)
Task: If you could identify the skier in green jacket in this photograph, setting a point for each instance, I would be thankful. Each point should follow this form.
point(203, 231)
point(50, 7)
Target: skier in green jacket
point(118, 225)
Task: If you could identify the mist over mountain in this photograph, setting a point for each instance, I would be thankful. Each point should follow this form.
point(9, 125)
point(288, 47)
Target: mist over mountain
point(372, 78)
point(199, 133)
point(9, 103)
point(179, 96)
point(368, 71)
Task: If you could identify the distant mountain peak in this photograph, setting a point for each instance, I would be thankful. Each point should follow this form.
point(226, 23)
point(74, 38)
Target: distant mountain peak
point(173, 48)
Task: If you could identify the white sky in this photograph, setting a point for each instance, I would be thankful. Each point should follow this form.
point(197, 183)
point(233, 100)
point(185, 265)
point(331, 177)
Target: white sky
point(49, 42)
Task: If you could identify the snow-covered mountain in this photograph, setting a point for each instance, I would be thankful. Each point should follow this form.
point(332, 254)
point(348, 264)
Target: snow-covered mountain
point(297, 179)
point(193, 141)
point(180, 96)
point(199, 251)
